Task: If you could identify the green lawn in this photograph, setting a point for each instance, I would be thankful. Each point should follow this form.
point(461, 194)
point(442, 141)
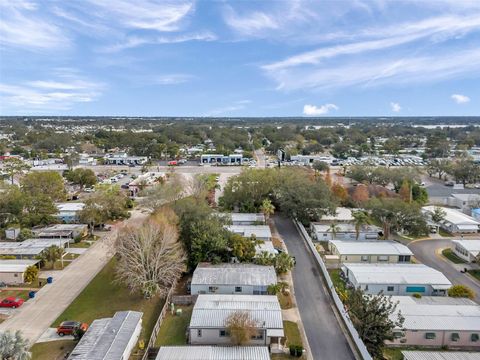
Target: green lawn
point(444, 233)
point(23, 294)
point(392, 354)
point(475, 274)
point(292, 333)
point(449, 254)
point(53, 350)
point(81, 244)
point(336, 279)
point(103, 297)
point(173, 329)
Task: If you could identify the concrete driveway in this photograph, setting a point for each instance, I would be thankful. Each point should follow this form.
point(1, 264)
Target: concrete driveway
point(36, 315)
point(426, 251)
point(325, 337)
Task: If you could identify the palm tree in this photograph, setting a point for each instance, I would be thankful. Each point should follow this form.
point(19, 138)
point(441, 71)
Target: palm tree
point(52, 254)
point(13, 346)
point(267, 208)
point(360, 218)
point(334, 228)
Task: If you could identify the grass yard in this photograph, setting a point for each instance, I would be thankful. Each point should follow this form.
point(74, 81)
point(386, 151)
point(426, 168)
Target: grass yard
point(23, 294)
point(449, 254)
point(103, 297)
point(285, 300)
point(173, 329)
point(392, 354)
point(444, 233)
point(81, 244)
point(292, 333)
point(53, 350)
point(475, 274)
point(336, 279)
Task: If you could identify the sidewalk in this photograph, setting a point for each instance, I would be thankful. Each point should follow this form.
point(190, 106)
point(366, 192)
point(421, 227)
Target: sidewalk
point(37, 314)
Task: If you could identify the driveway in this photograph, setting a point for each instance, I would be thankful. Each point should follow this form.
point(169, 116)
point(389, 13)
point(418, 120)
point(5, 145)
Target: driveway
point(326, 338)
point(426, 252)
point(37, 314)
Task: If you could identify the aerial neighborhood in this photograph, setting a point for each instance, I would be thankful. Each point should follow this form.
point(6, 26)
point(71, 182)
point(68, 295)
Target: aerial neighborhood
point(237, 242)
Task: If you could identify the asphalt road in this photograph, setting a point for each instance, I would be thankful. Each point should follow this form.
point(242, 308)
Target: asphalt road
point(425, 252)
point(325, 337)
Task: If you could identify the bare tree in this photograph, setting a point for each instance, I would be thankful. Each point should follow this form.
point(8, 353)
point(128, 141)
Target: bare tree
point(150, 258)
point(165, 193)
point(241, 327)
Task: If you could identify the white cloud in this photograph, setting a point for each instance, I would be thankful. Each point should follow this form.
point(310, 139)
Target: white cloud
point(460, 99)
point(172, 79)
point(22, 27)
point(251, 23)
point(313, 110)
point(395, 107)
point(42, 95)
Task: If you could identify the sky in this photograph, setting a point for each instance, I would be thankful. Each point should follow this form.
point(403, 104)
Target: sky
point(240, 58)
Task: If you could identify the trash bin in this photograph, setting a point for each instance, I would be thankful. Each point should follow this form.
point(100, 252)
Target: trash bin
point(31, 294)
point(49, 280)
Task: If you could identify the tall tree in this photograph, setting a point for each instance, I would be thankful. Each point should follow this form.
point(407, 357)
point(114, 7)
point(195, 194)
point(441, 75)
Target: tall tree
point(82, 177)
point(360, 218)
point(267, 208)
point(372, 318)
point(48, 183)
point(333, 229)
point(13, 346)
point(14, 166)
point(360, 194)
point(438, 214)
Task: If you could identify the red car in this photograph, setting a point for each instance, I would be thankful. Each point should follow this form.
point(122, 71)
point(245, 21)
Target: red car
point(69, 327)
point(12, 302)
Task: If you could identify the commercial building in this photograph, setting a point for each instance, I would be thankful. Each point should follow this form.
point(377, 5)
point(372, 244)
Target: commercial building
point(437, 322)
point(208, 325)
point(261, 232)
point(30, 248)
point(396, 279)
point(310, 159)
point(245, 279)
point(218, 159)
point(213, 353)
point(243, 218)
point(124, 159)
point(370, 251)
point(440, 355)
point(454, 220)
point(110, 338)
point(69, 212)
point(61, 231)
point(344, 231)
point(468, 250)
point(12, 271)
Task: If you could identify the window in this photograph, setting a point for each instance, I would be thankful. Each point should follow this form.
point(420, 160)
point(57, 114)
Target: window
point(15, 275)
point(199, 333)
point(224, 333)
point(455, 337)
point(474, 337)
point(404, 258)
point(398, 334)
point(366, 287)
point(258, 336)
point(364, 257)
point(415, 289)
point(430, 336)
point(382, 258)
point(390, 288)
point(212, 289)
point(238, 289)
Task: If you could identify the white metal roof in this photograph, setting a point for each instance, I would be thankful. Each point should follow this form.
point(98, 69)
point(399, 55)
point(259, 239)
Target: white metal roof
point(251, 217)
point(437, 355)
point(107, 339)
point(15, 266)
point(234, 274)
point(341, 214)
point(70, 206)
point(430, 313)
point(466, 197)
point(61, 227)
point(472, 246)
point(260, 231)
point(29, 246)
point(213, 353)
point(212, 311)
point(396, 274)
point(346, 227)
point(383, 247)
point(453, 216)
point(265, 246)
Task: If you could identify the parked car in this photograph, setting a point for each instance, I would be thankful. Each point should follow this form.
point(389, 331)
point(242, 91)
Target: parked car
point(12, 302)
point(89, 190)
point(449, 183)
point(69, 327)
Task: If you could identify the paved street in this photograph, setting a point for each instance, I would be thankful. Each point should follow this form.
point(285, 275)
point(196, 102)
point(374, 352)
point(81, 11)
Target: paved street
point(36, 315)
point(324, 334)
point(425, 252)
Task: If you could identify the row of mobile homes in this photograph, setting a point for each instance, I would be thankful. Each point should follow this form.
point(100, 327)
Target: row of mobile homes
point(396, 279)
point(213, 353)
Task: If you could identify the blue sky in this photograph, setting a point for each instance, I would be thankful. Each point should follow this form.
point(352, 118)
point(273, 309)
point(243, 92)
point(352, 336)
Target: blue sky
point(240, 58)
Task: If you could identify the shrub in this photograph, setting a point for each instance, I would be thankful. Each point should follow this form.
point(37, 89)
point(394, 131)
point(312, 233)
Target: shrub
point(416, 295)
point(461, 291)
point(296, 350)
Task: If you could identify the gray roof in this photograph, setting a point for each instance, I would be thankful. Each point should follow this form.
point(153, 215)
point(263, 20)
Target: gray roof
point(16, 266)
point(213, 353)
point(234, 274)
point(29, 246)
point(438, 313)
point(437, 355)
point(107, 339)
point(260, 231)
point(471, 245)
point(345, 228)
point(384, 247)
point(252, 217)
point(212, 311)
point(414, 274)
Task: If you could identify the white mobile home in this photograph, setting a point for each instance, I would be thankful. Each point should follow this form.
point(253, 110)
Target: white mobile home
point(468, 250)
point(465, 202)
point(29, 248)
point(439, 355)
point(61, 231)
point(342, 215)
point(213, 353)
point(12, 272)
point(437, 322)
point(244, 218)
point(454, 221)
point(261, 232)
point(69, 212)
point(110, 338)
point(208, 325)
point(245, 279)
point(370, 251)
point(396, 279)
point(344, 231)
